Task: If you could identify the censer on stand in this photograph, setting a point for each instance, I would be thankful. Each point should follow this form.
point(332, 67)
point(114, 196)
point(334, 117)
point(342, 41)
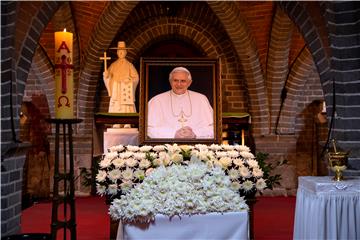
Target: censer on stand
point(337, 162)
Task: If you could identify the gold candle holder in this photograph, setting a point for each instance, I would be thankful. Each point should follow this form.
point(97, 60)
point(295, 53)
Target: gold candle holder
point(338, 162)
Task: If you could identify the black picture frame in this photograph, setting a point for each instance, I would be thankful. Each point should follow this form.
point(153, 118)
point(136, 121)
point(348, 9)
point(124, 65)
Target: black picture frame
point(154, 79)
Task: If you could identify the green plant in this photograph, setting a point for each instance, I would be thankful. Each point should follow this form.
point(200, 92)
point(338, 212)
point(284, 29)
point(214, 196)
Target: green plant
point(271, 180)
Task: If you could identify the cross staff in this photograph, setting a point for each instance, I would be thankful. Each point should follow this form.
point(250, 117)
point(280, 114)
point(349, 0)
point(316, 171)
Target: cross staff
point(105, 60)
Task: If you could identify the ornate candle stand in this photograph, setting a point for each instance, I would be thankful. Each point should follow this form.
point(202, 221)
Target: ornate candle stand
point(66, 177)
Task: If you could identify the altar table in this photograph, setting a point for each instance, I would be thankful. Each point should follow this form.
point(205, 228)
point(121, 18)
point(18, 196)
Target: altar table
point(326, 209)
point(233, 225)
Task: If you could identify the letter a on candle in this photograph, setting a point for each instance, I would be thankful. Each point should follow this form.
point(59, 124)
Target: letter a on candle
point(64, 82)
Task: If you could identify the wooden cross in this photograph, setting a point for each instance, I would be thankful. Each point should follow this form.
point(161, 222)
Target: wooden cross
point(105, 60)
point(64, 66)
point(182, 120)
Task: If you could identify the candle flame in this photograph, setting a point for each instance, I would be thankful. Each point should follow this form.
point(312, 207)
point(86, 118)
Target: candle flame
point(64, 29)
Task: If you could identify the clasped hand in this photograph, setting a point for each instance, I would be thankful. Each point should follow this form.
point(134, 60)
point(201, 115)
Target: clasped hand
point(185, 132)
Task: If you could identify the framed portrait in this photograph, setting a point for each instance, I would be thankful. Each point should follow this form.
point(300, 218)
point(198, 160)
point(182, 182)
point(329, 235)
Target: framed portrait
point(165, 113)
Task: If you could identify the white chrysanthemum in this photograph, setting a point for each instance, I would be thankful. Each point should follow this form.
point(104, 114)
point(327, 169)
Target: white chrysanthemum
point(139, 174)
point(247, 155)
point(227, 147)
point(178, 190)
point(100, 189)
point(257, 172)
point(176, 158)
point(114, 175)
point(242, 148)
point(159, 148)
point(144, 163)
point(139, 155)
point(117, 148)
point(126, 154)
point(111, 155)
point(186, 147)
point(215, 147)
point(126, 186)
point(244, 172)
point(233, 154)
point(131, 162)
point(148, 171)
point(105, 163)
point(233, 174)
point(225, 162)
point(112, 189)
point(201, 147)
point(118, 162)
point(238, 162)
point(145, 148)
point(260, 184)
point(101, 176)
point(157, 162)
point(220, 154)
point(132, 148)
point(253, 163)
point(247, 185)
point(127, 174)
point(235, 186)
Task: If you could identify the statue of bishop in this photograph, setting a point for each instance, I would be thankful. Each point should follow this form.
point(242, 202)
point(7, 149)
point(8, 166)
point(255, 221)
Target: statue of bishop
point(121, 80)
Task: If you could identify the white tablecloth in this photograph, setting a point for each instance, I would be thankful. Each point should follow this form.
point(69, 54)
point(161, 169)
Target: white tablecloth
point(210, 226)
point(326, 209)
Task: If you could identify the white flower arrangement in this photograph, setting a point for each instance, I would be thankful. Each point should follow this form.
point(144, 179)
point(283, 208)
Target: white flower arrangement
point(122, 168)
point(178, 190)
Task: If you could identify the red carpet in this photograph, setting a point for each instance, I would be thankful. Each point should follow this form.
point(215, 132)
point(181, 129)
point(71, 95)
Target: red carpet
point(274, 218)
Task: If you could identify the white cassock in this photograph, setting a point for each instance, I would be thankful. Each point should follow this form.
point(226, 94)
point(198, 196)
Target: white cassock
point(168, 112)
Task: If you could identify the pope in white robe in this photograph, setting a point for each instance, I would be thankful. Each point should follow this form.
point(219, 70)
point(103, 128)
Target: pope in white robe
point(180, 113)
